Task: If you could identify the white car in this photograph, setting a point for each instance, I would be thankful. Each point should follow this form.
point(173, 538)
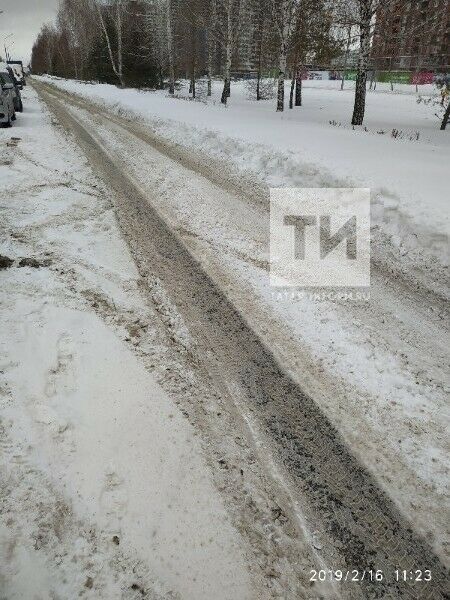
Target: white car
point(17, 67)
point(7, 112)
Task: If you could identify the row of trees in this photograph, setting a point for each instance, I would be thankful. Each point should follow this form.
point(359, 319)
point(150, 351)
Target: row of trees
point(153, 42)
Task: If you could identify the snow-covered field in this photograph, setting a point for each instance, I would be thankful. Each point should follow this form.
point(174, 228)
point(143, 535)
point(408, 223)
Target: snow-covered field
point(105, 491)
point(376, 367)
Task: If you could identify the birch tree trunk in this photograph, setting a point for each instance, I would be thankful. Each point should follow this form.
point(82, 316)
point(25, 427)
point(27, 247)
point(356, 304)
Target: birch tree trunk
point(209, 64)
point(281, 77)
point(211, 44)
point(75, 64)
point(170, 49)
point(284, 15)
point(390, 74)
point(63, 60)
point(298, 88)
point(347, 53)
point(363, 62)
point(446, 118)
point(228, 54)
point(49, 58)
point(193, 58)
point(291, 94)
point(116, 67)
point(295, 72)
point(227, 76)
point(258, 83)
point(119, 41)
point(260, 52)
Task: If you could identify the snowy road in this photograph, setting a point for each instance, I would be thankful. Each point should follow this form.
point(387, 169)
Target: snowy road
point(105, 491)
point(330, 509)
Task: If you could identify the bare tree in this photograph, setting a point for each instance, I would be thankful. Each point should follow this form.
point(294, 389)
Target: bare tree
point(154, 33)
point(74, 23)
point(361, 14)
point(261, 24)
point(210, 40)
point(196, 14)
point(312, 39)
point(367, 10)
point(228, 7)
point(224, 29)
point(66, 23)
point(170, 49)
point(49, 35)
point(264, 42)
point(347, 53)
point(220, 23)
point(284, 15)
point(115, 11)
point(193, 59)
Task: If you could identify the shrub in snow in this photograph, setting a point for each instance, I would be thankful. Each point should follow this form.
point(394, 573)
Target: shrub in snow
point(267, 89)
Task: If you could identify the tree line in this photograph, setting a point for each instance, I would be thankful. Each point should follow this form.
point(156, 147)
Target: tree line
point(153, 43)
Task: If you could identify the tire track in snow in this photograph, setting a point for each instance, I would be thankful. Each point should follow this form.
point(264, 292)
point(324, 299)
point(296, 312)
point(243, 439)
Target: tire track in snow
point(359, 527)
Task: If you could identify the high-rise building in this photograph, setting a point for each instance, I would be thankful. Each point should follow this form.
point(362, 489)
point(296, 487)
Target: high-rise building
point(412, 35)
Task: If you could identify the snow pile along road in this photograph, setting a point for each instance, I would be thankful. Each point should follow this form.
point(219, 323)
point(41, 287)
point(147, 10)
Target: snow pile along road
point(105, 491)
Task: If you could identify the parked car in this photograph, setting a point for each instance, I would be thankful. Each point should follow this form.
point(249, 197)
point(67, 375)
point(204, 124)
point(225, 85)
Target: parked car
point(18, 105)
point(19, 72)
point(7, 112)
point(8, 75)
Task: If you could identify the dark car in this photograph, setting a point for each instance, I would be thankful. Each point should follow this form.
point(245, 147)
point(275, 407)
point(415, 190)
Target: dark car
point(8, 76)
point(18, 104)
point(7, 112)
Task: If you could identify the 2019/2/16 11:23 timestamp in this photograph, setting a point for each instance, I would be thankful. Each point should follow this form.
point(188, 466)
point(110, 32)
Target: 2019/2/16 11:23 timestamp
point(372, 575)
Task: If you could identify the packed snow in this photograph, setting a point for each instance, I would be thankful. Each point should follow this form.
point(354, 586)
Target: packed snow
point(90, 430)
point(376, 364)
point(105, 489)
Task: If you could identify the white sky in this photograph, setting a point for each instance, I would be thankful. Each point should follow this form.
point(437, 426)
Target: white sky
point(23, 18)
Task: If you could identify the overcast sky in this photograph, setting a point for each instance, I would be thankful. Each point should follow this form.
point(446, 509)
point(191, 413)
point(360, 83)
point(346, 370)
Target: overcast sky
point(23, 18)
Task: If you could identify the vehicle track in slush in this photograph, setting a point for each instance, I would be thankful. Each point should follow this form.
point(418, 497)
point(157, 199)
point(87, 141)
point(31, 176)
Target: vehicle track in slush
point(360, 526)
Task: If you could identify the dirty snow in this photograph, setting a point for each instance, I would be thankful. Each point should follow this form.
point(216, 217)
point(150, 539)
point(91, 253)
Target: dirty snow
point(376, 366)
point(105, 490)
point(104, 481)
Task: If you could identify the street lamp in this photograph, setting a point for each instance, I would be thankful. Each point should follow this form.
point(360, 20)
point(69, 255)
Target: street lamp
point(4, 45)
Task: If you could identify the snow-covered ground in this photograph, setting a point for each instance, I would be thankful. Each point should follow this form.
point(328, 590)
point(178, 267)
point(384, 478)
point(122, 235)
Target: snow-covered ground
point(105, 481)
point(105, 490)
point(315, 146)
point(376, 367)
